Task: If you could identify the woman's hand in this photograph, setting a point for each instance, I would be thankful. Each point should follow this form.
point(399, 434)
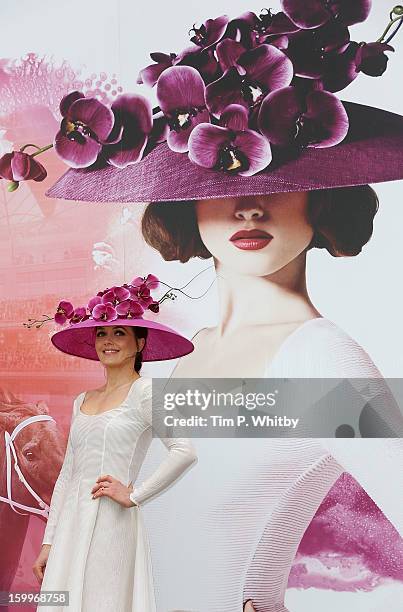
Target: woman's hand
point(40, 563)
point(248, 607)
point(108, 486)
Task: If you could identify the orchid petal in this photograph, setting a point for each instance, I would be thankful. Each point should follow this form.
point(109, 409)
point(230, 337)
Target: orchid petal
point(180, 87)
point(268, 66)
point(5, 166)
point(225, 91)
point(68, 100)
point(75, 154)
point(235, 117)
point(20, 165)
point(256, 148)
point(205, 143)
point(178, 141)
point(228, 52)
point(329, 115)
point(98, 117)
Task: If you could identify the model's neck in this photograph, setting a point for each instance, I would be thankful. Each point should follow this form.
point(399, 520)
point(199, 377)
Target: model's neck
point(263, 300)
point(119, 376)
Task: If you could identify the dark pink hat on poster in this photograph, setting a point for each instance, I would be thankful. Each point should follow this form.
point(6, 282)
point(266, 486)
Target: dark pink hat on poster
point(250, 107)
point(371, 153)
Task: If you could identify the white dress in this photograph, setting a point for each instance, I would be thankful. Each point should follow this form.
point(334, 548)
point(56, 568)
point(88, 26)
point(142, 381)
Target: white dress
point(249, 501)
point(100, 551)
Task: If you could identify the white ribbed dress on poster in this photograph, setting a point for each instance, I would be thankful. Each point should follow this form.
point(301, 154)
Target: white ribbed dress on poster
point(239, 519)
point(100, 551)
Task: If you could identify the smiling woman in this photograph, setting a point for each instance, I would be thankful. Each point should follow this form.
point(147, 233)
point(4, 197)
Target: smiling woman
point(95, 545)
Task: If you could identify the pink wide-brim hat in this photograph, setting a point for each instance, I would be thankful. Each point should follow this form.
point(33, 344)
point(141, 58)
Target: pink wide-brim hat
point(162, 342)
point(372, 152)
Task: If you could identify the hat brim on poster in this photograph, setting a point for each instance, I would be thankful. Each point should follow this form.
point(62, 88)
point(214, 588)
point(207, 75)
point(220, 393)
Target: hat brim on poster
point(372, 152)
point(162, 342)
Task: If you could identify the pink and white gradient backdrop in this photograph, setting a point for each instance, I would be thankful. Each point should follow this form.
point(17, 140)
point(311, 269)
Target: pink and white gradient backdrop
point(52, 249)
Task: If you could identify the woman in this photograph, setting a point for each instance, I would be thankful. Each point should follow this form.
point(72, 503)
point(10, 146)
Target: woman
point(259, 245)
point(95, 545)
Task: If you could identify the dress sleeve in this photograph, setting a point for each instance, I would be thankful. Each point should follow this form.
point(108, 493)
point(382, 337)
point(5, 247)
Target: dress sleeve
point(60, 488)
point(375, 462)
point(181, 454)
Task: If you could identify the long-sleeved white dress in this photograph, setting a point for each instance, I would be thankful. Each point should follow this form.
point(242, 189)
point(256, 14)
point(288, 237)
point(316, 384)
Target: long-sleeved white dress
point(244, 511)
point(100, 550)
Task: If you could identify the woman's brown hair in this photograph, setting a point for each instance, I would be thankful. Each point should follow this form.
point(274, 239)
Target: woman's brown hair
point(342, 220)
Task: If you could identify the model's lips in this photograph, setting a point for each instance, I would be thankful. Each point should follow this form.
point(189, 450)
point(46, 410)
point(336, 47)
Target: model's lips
point(110, 351)
point(251, 240)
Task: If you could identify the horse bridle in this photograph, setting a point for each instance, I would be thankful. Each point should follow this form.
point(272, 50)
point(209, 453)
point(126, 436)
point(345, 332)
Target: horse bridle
point(9, 444)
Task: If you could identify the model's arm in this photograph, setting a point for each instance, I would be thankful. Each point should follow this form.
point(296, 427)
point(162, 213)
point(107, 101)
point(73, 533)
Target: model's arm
point(59, 491)
point(181, 454)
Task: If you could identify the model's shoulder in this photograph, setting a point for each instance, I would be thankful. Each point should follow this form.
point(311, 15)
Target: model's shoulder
point(324, 346)
point(78, 400)
point(144, 386)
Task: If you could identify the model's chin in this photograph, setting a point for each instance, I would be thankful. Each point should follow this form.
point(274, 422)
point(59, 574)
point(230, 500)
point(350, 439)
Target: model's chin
point(109, 359)
point(251, 263)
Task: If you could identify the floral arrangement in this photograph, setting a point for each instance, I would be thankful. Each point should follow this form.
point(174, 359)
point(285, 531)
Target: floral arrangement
point(129, 301)
point(244, 87)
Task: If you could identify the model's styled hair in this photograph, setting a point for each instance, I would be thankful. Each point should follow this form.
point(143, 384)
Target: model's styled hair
point(139, 332)
point(342, 220)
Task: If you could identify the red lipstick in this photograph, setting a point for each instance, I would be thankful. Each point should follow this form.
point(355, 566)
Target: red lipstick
point(251, 240)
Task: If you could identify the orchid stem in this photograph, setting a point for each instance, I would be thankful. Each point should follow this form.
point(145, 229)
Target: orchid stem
point(39, 151)
point(390, 24)
point(387, 41)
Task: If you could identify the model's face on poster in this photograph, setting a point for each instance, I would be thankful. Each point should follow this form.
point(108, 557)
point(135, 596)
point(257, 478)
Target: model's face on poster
point(280, 216)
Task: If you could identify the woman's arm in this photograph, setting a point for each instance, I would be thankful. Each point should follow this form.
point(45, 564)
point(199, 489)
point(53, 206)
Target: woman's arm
point(59, 490)
point(181, 454)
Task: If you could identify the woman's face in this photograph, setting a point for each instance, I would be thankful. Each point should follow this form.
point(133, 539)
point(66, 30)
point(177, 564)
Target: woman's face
point(255, 235)
point(115, 344)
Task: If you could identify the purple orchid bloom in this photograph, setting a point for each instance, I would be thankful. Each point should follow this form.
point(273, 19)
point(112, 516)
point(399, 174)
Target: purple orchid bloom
point(85, 127)
point(79, 314)
point(202, 59)
point(104, 312)
point(339, 69)
point(150, 281)
point(134, 123)
point(94, 301)
point(181, 96)
point(261, 71)
point(64, 312)
point(316, 119)
point(115, 295)
point(141, 294)
point(309, 14)
point(371, 59)
point(231, 147)
point(210, 32)
point(130, 309)
point(309, 49)
point(154, 307)
point(252, 30)
point(150, 74)
point(18, 166)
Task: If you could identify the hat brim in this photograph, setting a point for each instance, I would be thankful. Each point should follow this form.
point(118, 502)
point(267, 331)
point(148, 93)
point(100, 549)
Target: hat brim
point(372, 152)
point(162, 342)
